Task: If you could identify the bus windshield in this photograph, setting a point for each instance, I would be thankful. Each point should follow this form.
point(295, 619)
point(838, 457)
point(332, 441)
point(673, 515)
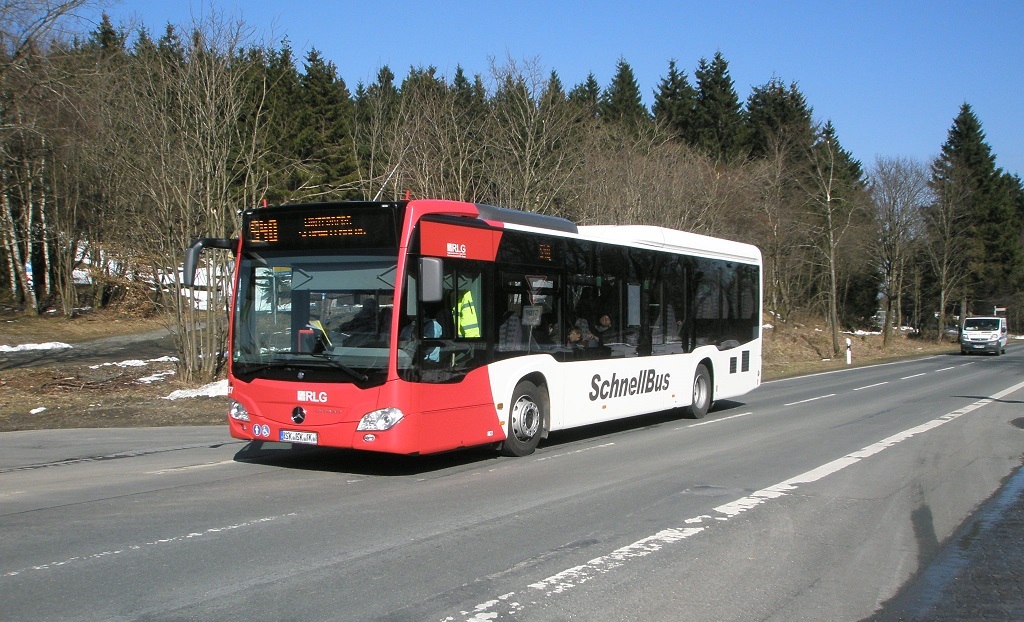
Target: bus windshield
point(314, 316)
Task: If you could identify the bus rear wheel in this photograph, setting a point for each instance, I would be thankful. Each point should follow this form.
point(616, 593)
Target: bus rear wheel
point(701, 403)
point(526, 420)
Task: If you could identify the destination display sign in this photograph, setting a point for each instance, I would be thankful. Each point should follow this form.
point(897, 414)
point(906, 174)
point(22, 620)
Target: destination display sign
point(321, 227)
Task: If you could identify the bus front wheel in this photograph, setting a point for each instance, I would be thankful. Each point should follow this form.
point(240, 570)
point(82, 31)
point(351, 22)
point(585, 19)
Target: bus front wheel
point(526, 420)
point(701, 403)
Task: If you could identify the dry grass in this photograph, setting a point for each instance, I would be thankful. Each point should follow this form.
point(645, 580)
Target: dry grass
point(804, 349)
point(88, 395)
point(18, 328)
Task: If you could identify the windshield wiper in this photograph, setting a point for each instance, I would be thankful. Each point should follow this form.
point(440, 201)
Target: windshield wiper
point(330, 358)
point(276, 362)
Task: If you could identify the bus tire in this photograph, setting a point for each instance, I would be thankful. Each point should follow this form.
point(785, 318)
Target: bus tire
point(701, 403)
point(526, 420)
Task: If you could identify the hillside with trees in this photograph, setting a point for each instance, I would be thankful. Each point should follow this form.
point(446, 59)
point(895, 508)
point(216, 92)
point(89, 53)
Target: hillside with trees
point(120, 147)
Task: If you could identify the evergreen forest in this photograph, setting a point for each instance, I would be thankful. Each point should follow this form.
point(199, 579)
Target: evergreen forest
point(118, 147)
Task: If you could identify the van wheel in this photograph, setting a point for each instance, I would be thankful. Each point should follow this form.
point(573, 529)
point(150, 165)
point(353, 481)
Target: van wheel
point(526, 420)
point(701, 403)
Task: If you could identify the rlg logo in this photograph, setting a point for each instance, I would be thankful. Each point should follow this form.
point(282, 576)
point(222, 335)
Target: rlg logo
point(456, 250)
point(312, 396)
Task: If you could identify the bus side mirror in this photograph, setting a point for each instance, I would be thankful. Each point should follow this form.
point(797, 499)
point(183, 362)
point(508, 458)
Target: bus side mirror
point(431, 279)
point(188, 276)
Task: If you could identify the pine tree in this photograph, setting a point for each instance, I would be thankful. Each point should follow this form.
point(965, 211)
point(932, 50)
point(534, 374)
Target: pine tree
point(470, 97)
point(621, 101)
point(966, 169)
point(107, 39)
point(778, 117)
point(324, 141)
point(553, 93)
point(280, 103)
point(675, 103)
point(719, 115)
point(585, 96)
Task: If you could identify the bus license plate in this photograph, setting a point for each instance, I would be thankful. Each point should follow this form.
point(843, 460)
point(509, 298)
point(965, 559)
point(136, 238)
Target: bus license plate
point(290, 436)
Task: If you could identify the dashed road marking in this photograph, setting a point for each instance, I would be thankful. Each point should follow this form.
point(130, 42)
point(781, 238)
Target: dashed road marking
point(871, 386)
point(820, 397)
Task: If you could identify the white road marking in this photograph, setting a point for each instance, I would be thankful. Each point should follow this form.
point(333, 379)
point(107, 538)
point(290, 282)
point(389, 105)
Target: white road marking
point(694, 425)
point(578, 451)
point(570, 578)
point(190, 467)
point(871, 386)
point(820, 397)
point(145, 545)
point(909, 377)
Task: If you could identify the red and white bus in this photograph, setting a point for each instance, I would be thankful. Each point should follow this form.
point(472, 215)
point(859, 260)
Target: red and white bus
point(421, 326)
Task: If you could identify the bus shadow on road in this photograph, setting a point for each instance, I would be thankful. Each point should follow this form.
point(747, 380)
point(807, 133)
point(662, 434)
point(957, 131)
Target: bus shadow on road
point(722, 408)
point(346, 461)
point(333, 460)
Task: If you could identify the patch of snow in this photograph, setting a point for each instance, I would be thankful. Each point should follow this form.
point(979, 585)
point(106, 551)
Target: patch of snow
point(160, 375)
point(25, 347)
point(214, 389)
point(164, 359)
point(137, 362)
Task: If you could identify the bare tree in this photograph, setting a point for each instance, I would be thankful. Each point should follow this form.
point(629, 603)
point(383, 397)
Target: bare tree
point(832, 209)
point(430, 145)
point(774, 225)
point(534, 150)
point(379, 152)
point(28, 83)
point(195, 144)
point(945, 241)
point(899, 190)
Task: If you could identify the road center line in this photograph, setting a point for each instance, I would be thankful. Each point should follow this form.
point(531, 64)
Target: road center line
point(145, 545)
point(507, 604)
point(909, 377)
point(570, 453)
point(693, 425)
point(190, 467)
point(820, 397)
point(871, 386)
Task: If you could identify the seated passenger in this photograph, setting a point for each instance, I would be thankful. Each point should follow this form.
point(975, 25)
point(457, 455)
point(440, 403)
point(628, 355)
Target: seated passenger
point(588, 338)
point(603, 328)
point(432, 330)
point(575, 340)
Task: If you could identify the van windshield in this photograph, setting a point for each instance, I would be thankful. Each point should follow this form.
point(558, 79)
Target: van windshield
point(986, 324)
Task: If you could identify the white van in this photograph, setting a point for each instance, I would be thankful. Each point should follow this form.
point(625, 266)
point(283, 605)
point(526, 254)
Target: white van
point(983, 334)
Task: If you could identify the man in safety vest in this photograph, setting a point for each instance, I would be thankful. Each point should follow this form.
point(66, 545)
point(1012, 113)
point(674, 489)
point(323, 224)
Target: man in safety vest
point(466, 322)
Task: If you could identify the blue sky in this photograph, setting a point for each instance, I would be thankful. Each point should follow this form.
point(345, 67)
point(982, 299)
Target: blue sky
point(890, 75)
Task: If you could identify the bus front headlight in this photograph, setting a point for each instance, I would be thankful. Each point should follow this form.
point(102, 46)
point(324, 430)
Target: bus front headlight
point(237, 412)
point(380, 420)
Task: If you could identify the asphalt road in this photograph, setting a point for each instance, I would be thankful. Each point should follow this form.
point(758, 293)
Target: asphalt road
point(814, 498)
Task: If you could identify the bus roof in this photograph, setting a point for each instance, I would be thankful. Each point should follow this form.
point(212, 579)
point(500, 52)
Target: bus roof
point(646, 236)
